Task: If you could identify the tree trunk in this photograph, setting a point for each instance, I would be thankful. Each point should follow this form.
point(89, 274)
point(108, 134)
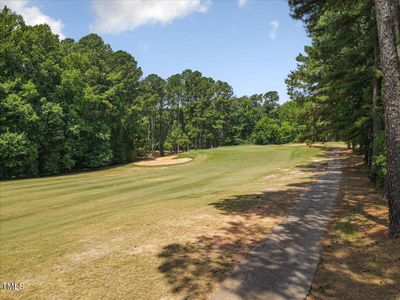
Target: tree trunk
point(376, 126)
point(391, 89)
point(153, 137)
point(396, 24)
point(161, 129)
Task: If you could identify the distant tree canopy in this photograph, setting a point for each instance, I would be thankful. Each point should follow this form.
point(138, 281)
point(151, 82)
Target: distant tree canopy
point(69, 105)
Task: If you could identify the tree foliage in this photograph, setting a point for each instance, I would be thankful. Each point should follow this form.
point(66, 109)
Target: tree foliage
point(69, 105)
point(340, 78)
point(64, 105)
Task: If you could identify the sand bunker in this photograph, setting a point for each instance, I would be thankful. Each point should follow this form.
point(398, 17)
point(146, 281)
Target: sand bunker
point(163, 161)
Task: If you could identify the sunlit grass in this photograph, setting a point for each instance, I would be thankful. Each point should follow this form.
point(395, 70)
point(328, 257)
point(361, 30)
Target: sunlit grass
point(99, 234)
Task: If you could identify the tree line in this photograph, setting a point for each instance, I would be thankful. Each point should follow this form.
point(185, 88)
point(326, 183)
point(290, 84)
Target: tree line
point(69, 105)
point(349, 78)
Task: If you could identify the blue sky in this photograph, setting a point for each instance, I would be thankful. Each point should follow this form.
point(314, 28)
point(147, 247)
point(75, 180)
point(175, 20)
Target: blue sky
point(250, 44)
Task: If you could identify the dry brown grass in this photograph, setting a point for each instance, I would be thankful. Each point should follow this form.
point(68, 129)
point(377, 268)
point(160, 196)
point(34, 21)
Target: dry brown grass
point(195, 269)
point(359, 260)
point(106, 234)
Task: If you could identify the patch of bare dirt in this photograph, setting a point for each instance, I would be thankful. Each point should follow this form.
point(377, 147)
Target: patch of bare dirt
point(163, 161)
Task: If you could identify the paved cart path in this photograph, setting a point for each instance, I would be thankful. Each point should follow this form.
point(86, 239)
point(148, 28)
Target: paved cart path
point(282, 266)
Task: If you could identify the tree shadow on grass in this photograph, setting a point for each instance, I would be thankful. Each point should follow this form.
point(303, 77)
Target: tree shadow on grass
point(194, 269)
point(350, 268)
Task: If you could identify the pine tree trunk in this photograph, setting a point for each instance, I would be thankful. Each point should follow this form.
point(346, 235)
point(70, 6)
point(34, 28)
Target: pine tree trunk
point(153, 138)
point(391, 89)
point(396, 23)
point(161, 130)
point(376, 90)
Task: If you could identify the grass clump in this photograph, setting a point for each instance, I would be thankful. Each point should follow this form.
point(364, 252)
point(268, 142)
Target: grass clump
point(189, 154)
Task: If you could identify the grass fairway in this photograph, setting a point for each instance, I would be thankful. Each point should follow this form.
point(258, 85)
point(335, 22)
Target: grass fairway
point(145, 232)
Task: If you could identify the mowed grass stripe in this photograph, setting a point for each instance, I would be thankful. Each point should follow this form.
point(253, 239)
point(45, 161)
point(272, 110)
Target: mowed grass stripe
point(45, 222)
point(79, 199)
point(97, 192)
point(90, 192)
point(84, 177)
point(120, 191)
point(132, 172)
point(82, 190)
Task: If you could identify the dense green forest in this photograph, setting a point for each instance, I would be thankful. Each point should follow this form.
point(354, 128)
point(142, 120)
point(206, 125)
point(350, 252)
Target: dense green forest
point(69, 105)
point(349, 77)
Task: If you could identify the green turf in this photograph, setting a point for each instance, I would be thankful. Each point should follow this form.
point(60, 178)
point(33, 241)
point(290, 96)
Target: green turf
point(86, 234)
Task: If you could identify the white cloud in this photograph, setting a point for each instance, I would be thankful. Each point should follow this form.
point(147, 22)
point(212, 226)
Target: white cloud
point(274, 28)
point(117, 16)
point(33, 15)
point(241, 2)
